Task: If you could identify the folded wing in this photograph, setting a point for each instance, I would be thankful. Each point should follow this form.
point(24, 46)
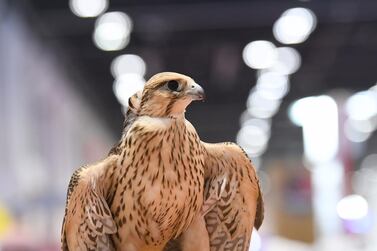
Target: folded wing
point(88, 221)
point(233, 201)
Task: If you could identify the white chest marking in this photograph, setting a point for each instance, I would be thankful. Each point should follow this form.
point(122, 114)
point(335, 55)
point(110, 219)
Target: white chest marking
point(154, 122)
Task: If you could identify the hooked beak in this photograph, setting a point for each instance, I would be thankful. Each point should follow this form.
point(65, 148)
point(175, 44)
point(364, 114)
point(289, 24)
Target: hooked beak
point(196, 92)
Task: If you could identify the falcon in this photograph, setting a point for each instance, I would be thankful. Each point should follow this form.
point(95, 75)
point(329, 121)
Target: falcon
point(161, 187)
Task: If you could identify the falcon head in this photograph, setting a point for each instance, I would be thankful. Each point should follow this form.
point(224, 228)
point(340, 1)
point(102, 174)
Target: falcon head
point(167, 94)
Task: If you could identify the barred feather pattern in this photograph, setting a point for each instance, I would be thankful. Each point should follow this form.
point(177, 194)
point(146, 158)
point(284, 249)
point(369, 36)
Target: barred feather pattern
point(231, 220)
point(160, 183)
point(88, 222)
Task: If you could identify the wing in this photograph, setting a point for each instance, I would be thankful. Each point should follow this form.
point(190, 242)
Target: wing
point(88, 221)
point(233, 201)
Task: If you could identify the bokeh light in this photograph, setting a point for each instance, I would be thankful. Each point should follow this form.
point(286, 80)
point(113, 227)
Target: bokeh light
point(112, 31)
point(365, 126)
point(128, 63)
point(352, 207)
point(259, 54)
point(253, 139)
point(127, 85)
point(255, 241)
point(5, 220)
point(362, 105)
point(272, 85)
point(88, 8)
point(320, 139)
point(294, 26)
point(288, 61)
point(370, 162)
point(365, 179)
point(297, 110)
point(264, 124)
point(260, 107)
point(353, 133)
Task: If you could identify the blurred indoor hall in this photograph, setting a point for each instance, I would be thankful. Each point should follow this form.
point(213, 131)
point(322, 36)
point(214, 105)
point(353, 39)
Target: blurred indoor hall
point(292, 81)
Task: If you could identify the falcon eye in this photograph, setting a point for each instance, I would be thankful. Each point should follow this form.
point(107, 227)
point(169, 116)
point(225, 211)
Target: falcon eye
point(173, 85)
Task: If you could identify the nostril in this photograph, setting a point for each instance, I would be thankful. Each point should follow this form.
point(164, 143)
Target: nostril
point(193, 86)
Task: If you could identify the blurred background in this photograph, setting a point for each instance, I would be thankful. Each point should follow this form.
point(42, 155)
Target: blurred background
point(293, 82)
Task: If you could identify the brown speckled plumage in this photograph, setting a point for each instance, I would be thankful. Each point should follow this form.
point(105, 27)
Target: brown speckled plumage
point(161, 188)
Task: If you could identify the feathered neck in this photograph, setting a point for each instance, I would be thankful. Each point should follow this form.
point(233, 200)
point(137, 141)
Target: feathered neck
point(177, 116)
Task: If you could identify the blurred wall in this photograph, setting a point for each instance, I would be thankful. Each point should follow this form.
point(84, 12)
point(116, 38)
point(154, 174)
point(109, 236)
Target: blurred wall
point(47, 130)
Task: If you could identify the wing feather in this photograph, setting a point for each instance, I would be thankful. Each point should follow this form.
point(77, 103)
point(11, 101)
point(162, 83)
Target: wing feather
point(88, 221)
point(239, 208)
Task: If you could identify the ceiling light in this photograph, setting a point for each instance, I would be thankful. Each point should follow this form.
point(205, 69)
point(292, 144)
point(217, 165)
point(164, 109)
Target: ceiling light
point(294, 26)
point(353, 134)
point(272, 85)
point(112, 31)
point(362, 105)
point(259, 54)
point(88, 8)
point(365, 126)
point(319, 118)
point(128, 63)
point(352, 207)
point(127, 85)
point(253, 139)
point(264, 124)
point(288, 61)
point(255, 241)
point(260, 107)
